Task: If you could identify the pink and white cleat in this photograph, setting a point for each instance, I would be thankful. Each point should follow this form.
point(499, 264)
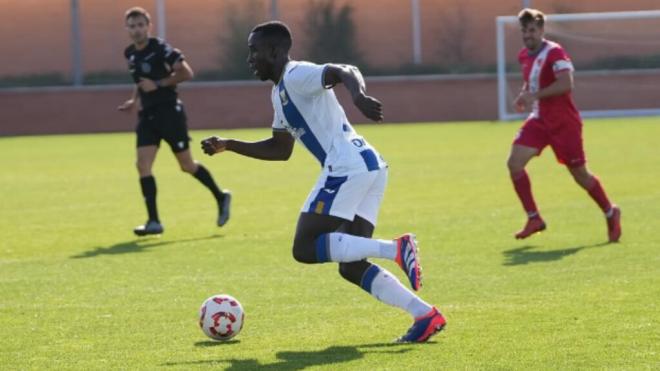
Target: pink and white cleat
point(407, 256)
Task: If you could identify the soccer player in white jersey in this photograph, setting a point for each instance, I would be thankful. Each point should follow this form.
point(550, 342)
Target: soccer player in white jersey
point(337, 221)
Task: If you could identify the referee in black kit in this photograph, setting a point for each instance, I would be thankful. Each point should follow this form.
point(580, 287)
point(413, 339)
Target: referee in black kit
point(157, 68)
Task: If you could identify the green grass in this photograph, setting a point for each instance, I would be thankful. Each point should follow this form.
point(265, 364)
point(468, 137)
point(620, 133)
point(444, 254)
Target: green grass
point(78, 291)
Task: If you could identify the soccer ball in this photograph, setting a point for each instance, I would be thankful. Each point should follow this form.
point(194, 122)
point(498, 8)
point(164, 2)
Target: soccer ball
point(221, 317)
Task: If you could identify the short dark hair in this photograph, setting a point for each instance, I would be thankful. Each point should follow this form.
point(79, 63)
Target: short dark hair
point(276, 32)
point(528, 15)
point(136, 11)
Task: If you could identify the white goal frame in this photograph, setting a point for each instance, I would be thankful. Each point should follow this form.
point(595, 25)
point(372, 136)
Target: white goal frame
point(501, 21)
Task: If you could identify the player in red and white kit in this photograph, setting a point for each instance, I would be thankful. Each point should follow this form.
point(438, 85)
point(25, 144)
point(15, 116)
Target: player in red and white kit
point(554, 121)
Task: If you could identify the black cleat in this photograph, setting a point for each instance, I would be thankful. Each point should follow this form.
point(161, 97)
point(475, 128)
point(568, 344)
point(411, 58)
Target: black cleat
point(151, 227)
point(223, 212)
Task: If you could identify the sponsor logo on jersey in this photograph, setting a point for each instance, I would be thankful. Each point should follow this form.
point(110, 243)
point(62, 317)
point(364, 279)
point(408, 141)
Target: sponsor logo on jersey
point(358, 142)
point(297, 132)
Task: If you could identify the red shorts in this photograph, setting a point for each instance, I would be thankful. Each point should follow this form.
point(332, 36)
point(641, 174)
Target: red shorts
point(565, 140)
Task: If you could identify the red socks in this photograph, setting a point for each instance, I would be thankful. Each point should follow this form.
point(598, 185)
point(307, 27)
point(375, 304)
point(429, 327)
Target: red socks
point(597, 192)
point(523, 188)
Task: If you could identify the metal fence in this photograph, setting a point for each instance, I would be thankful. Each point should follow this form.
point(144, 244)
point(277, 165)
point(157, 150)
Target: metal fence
point(80, 42)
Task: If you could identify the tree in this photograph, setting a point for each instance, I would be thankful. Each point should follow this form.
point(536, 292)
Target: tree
point(331, 33)
point(233, 43)
point(454, 38)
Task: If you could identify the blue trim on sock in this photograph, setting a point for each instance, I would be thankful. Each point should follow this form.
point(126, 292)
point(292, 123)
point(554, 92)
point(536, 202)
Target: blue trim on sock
point(322, 253)
point(368, 277)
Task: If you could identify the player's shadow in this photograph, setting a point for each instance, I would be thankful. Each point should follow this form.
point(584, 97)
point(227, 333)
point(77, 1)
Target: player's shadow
point(211, 343)
point(135, 246)
point(331, 357)
point(526, 254)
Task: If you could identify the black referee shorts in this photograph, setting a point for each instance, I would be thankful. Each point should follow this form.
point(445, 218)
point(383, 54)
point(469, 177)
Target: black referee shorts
point(163, 122)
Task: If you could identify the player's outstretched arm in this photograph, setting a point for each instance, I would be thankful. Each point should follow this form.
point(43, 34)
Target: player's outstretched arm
point(276, 148)
point(352, 78)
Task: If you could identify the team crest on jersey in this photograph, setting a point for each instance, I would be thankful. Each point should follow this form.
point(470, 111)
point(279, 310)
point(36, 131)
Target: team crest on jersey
point(146, 67)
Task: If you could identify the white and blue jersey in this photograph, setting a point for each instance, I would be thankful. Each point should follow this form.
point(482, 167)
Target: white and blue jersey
point(310, 112)
point(354, 175)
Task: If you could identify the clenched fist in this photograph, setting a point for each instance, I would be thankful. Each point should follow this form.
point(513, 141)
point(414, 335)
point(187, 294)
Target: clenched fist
point(213, 145)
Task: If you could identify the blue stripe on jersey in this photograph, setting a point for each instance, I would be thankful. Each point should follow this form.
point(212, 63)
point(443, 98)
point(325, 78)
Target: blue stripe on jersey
point(370, 159)
point(368, 277)
point(297, 121)
point(322, 252)
point(326, 196)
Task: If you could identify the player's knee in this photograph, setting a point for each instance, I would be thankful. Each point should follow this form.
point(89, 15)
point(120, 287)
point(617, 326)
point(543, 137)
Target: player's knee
point(143, 168)
point(346, 270)
point(582, 177)
point(514, 165)
point(304, 253)
point(189, 168)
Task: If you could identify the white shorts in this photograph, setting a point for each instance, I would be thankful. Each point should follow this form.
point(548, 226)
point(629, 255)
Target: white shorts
point(347, 196)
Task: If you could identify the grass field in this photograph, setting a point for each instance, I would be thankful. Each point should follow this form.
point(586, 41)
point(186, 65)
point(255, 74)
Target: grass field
point(79, 291)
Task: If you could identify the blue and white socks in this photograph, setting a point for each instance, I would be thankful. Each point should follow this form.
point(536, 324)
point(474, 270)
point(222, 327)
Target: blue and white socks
point(382, 285)
point(345, 248)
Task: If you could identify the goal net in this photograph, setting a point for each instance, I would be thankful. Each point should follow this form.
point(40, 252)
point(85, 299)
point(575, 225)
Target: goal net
point(616, 57)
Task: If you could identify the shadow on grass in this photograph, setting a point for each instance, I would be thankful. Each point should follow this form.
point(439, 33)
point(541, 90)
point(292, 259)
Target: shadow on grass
point(137, 245)
point(330, 357)
point(211, 343)
point(526, 255)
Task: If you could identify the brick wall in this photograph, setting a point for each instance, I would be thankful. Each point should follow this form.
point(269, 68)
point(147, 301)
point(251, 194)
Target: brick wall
point(240, 105)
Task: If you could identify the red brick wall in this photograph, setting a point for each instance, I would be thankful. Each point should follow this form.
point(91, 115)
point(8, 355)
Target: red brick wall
point(222, 106)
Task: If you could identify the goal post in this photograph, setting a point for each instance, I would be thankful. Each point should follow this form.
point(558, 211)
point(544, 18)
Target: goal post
point(616, 55)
